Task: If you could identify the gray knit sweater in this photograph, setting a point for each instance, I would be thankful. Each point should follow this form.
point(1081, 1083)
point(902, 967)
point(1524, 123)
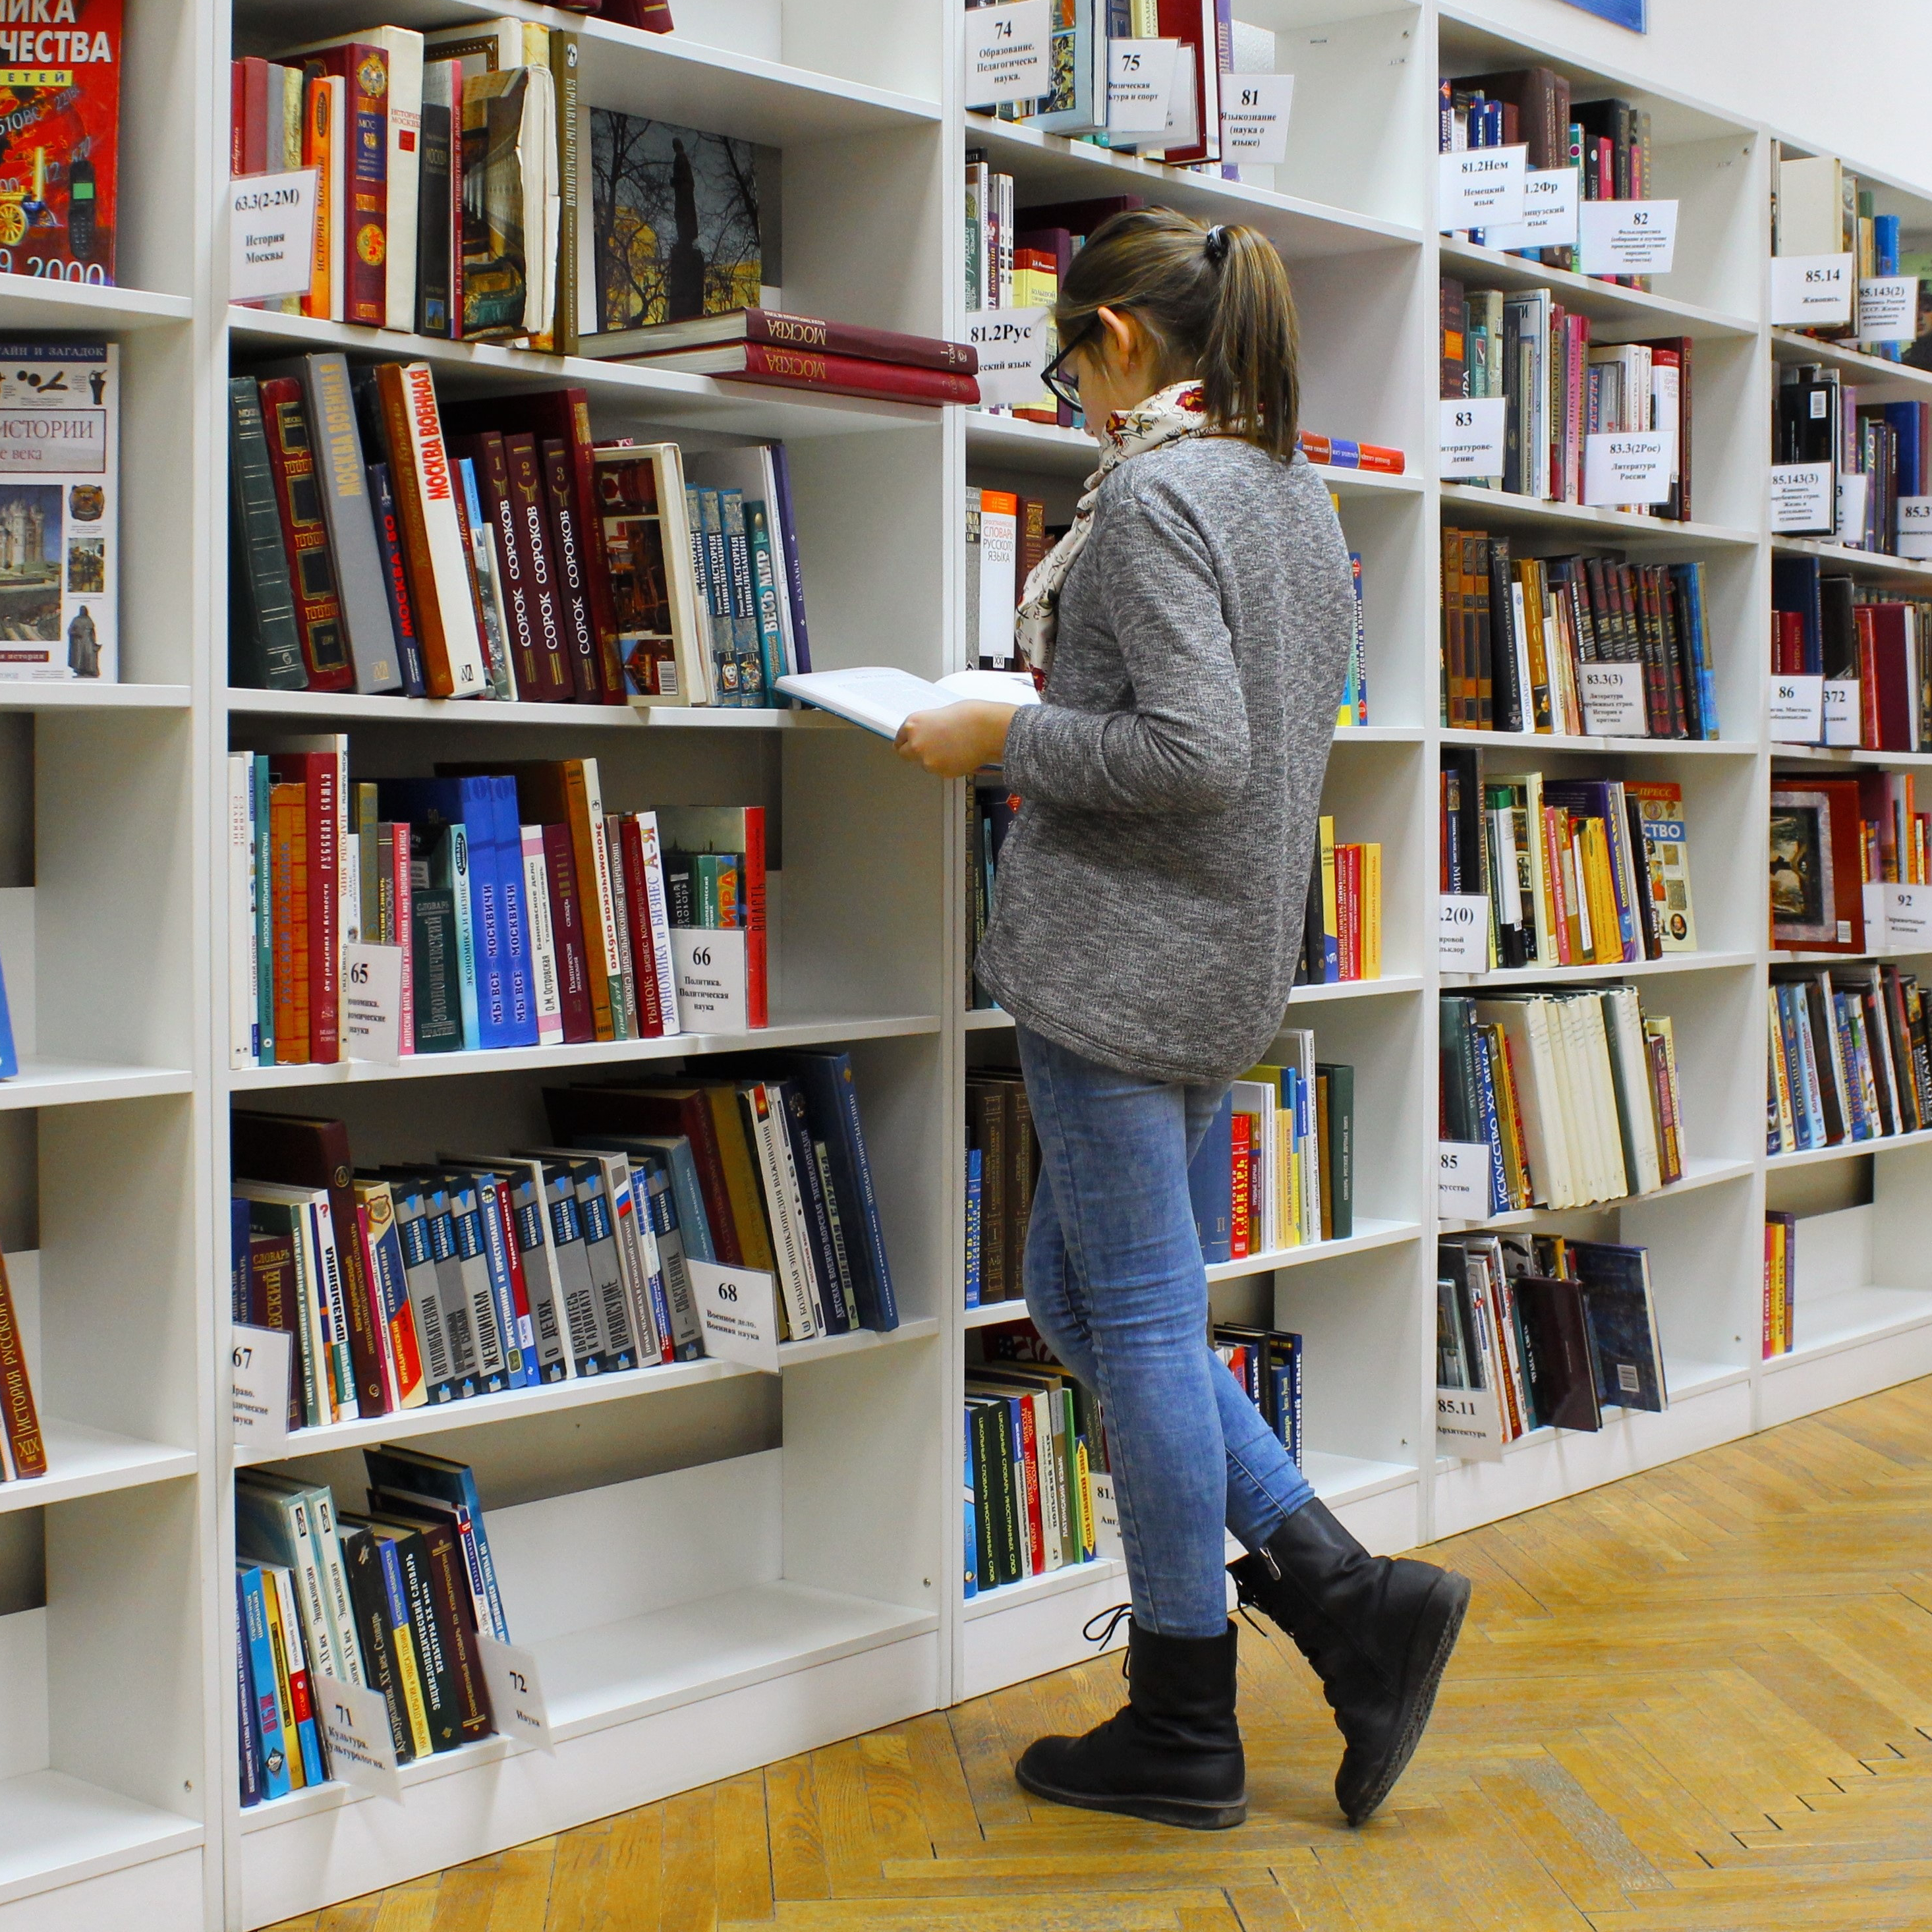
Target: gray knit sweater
point(1150, 892)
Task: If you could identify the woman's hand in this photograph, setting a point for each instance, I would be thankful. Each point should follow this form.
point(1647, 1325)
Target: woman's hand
point(955, 740)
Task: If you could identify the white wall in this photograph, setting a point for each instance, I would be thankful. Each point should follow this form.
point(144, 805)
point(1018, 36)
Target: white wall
point(1851, 77)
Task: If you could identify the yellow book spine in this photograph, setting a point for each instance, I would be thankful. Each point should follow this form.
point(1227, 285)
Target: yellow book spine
point(1606, 935)
point(404, 1644)
point(1372, 912)
point(318, 147)
point(278, 1641)
point(1083, 1499)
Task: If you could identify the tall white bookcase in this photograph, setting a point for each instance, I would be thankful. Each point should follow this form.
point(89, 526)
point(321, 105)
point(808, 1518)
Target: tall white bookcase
point(716, 1567)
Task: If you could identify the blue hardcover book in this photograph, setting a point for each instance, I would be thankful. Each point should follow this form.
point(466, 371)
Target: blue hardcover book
point(395, 580)
point(975, 1194)
point(832, 1107)
point(248, 1743)
point(787, 532)
point(709, 522)
point(692, 1222)
point(519, 1350)
point(1690, 587)
point(238, 1258)
point(494, 1338)
point(1486, 1097)
point(264, 1704)
point(972, 1518)
point(516, 911)
point(1210, 1186)
point(1903, 419)
point(751, 690)
point(413, 1473)
point(650, 1177)
point(466, 804)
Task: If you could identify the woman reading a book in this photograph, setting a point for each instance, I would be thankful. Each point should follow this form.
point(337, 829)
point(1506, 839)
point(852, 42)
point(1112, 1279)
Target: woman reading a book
point(1193, 627)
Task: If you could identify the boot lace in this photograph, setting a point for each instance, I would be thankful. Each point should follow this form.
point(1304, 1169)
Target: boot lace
point(1110, 1620)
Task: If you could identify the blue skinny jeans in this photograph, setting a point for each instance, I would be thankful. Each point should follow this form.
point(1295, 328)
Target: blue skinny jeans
point(1115, 1283)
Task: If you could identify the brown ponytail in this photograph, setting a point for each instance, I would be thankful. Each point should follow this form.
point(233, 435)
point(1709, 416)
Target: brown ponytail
point(1215, 301)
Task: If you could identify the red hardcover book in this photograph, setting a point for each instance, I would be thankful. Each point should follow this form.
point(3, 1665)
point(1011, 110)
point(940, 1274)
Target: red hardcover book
point(565, 415)
point(272, 1291)
point(18, 1421)
point(248, 105)
point(1240, 1203)
point(573, 973)
point(1892, 658)
point(555, 684)
point(572, 566)
point(648, 16)
point(643, 950)
point(702, 334)
point(288, 873)
point(317, 773)
point(363, 71)
point(386, 1363)
point(1375, 456)
point(304, 1152)
point(305, 536)
point(1192, 22)
point(1030, 1451)
point(1348, 908)
point(849, 376)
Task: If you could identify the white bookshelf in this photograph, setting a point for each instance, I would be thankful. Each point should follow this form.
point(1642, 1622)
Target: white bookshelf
point(716, 1567)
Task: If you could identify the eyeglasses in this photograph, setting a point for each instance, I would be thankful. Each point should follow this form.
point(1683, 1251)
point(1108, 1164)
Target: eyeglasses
point(1058, 384)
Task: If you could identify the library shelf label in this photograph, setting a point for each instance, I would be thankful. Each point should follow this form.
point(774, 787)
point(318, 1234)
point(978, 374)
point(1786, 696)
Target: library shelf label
point(1477, 186)
point(1462, 1179)
point(1462, 932)
point(1800, 497)
point(1470, 438)
point(1841, 711)
point(1106, 1518)
point(1629, 465)
point(1807, 290)
point(1627, 238)
point(516, 1691)
point(1914, 527)
point(355, 1718)
point(271, 234)
point(1907, 911)
point(1140, 77)
point(737, 1308)
point(372, 1000)
point(1549, 213)
point(1009, 54)
point(1469, 1423)
point(1888, 308)
point(1797, 709)
point(1254, 118)
point(259, 1388)
point(1012, 344)
point(712, 970)
point(1613, 701)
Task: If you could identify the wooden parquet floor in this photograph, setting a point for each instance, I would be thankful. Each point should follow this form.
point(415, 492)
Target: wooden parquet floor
point(1699, 1700)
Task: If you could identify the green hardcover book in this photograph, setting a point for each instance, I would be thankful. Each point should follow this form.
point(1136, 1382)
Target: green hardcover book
point(264, 645)
point(765, 592)
point(437, 979)
point(1338, 1155)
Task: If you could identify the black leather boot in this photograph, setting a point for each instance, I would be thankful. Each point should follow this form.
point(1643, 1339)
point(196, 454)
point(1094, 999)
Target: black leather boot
point(1377, 1631)
point(1172, 1755)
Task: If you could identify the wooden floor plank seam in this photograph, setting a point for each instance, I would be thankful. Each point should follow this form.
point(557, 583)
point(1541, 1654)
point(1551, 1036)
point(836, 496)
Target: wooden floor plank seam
point(1699, 1699)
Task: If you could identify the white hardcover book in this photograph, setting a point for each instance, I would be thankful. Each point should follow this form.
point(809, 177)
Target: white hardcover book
point(340, 1612)
point(1593, 1180)
point(820, 1292)
point(1576, 1137)
point(337, 91)
point(435, 484)
point(657, 908)
point(302, 1599)
point(630, 1253)
point(543, 942)
point(999, 558)
point(1637, 1116)
point(1597, 1041)
point(241, 985)
point(607, 905)
point(794, 1282)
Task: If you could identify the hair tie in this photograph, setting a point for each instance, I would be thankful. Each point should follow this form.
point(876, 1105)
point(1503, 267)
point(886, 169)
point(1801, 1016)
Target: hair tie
point(1214, 245)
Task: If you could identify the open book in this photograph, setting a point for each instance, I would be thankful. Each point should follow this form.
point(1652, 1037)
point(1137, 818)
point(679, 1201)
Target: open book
point(882, 700)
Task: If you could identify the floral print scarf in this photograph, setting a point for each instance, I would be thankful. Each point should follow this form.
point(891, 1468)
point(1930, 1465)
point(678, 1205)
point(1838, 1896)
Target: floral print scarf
point(1165, 417)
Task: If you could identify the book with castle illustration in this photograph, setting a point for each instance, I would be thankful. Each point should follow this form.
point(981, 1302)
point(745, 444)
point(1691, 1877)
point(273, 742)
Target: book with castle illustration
point(682, 224)
point(59, 487)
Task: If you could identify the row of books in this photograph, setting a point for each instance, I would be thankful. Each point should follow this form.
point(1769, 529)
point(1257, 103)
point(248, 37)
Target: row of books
point(1276, 1168)
point(524, 914)
point(1526, 348)
point(1002, 1171)
point(1830, 627)
point(1575, 1095)
point(513, 560)
point(990, 811)
point(1849, 1056)
point(1577, 871)
point(1819, 848)
point(1607, 142)
point(1342, 924)
point(1877, 454)
point(1522, 636)
point(1034, 1444)
point(393, 1600)
point(1818, 207)
point(1780, 1283)
point(1539, 1332)
point(1268, 1363)
point(23, 1448)
point(1894, 836)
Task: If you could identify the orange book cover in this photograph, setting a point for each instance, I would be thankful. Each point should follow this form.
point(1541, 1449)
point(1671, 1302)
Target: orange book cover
point(60, 116)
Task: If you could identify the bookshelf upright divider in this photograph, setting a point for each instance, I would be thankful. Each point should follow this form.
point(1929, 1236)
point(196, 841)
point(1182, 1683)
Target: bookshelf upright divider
point(717, 1567)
